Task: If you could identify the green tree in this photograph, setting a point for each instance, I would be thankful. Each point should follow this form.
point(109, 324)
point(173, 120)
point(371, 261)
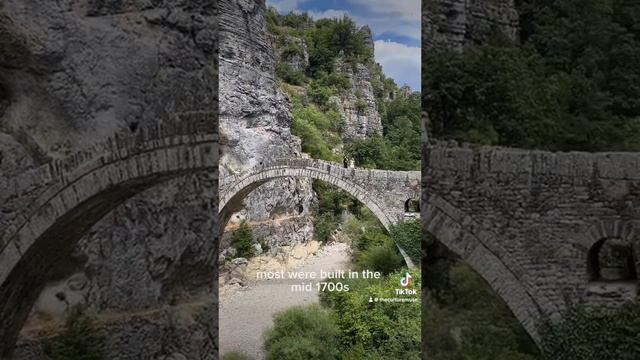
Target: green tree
point(593, 335)
point(408, 235)
point(383, 258)
point(79, 340)
point(376, 330)
point(303, 333)
point(242, 241)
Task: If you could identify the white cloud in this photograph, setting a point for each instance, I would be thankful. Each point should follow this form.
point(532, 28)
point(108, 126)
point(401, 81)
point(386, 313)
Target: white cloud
point(404, 10)
point(400, 62)
point(285, 6)
point(328, 14)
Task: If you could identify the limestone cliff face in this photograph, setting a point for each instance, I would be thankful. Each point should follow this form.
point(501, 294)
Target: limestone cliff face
point(360, 116)
point(255, 124)
point(453, 24)
point(73, 73)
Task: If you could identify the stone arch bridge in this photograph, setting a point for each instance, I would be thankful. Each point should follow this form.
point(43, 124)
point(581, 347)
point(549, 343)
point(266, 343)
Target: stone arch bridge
point(546, 230)
point(386, 193)
point(51, 207)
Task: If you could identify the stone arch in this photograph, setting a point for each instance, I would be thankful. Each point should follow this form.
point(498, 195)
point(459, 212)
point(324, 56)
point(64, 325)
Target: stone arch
point(231, 198)
point(598, 270)
point(412, 205)
point(466, 238)
point(604, 230)
point(236, 188)
point(80, 191)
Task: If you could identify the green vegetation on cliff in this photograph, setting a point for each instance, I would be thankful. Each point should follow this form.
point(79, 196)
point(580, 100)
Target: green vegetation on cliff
point(350, 326)
point(317, 120)
point(571, 82)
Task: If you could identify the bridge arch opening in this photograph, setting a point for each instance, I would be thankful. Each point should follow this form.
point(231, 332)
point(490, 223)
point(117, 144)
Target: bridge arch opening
point(388, 209)
point(79, 194)
point(232, 198)
point(412, 206)
point(612, 260)
point(458, 233)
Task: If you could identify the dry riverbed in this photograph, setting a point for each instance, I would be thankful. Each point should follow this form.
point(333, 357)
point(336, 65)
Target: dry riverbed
point(247, 310)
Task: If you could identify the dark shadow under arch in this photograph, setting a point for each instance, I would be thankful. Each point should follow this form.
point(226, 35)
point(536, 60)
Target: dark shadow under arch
point(451, 227)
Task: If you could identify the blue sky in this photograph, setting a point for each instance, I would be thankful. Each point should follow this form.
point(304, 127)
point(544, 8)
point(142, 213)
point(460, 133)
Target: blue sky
point(396, 26)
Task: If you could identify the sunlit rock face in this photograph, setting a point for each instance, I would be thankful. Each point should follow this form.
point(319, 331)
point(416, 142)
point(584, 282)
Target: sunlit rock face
point(255, 125)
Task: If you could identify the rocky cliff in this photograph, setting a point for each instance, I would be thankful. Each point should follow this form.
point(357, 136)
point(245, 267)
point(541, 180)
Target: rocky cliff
point(358, 106)
point(73, 73)
point(453, 24)
point(255, 124)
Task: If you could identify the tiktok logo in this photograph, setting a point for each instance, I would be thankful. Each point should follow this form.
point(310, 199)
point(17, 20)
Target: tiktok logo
point(406, 280)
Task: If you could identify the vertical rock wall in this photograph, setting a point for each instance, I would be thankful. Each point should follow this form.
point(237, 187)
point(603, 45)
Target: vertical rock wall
point(255, 124)
point(358, 107)
point(453, 24)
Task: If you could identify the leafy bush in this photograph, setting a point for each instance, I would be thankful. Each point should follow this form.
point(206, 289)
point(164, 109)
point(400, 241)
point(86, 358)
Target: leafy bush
point(321, 94)
point(383, 258)
point(303, 333)
point(236, 355)
point(289, 75)
point(332, 202)
point(317, 131)
point(325, 225)
point(79, 341)
point(399, 148)
point(333, 36)
point(264, 245)
point(593, 335)
point(408, 235)
point(361, 105)
point(376, 330)
point(242, 241)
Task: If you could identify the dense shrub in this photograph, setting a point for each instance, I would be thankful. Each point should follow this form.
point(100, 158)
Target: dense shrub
point(399, 148)
point(303, 333)
point(383, 258)
point(594, 335)
point(408, 235)
point(569, 83)
point(79, 340)
point(290, 75)
point(242, 241)
point(332, 202)
point(236, 355)
point(376, 330)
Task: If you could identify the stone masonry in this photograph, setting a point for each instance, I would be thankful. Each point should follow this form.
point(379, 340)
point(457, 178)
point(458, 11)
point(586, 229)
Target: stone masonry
point(64, 199)
point(384, 192)
point(527, 221)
